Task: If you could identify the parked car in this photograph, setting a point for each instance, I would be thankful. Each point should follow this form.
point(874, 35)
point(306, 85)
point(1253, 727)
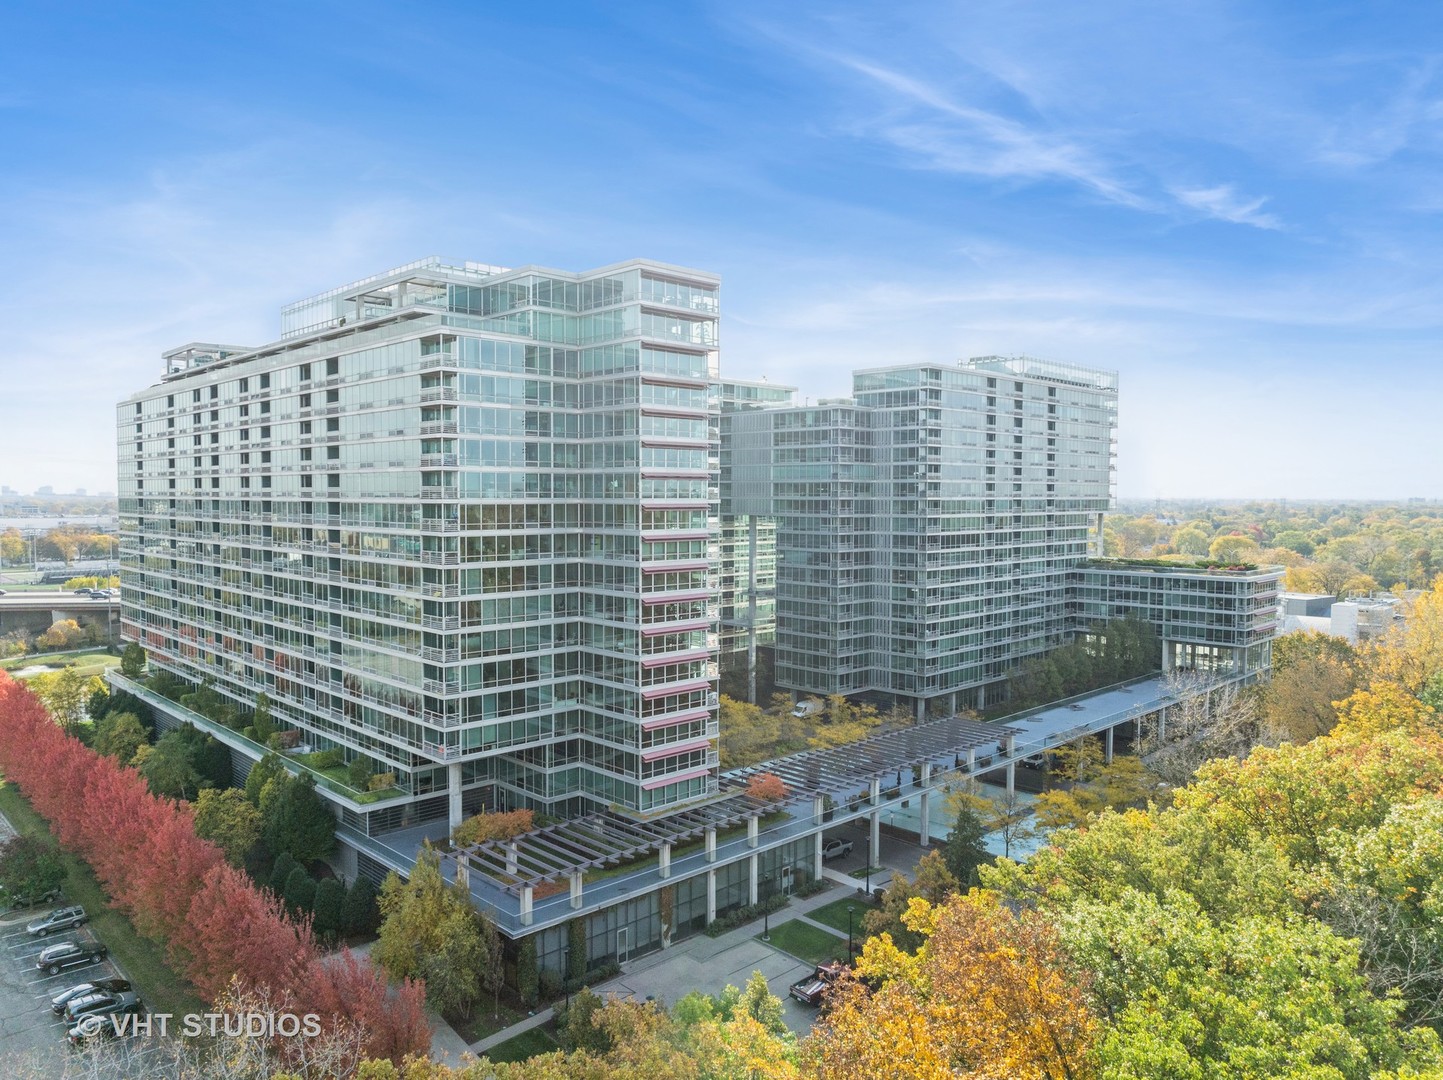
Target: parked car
point(104, 1024)
point(113, 986)
point(68, 954)
point(98, 1002)
point(60, 919)
point(835, 849)
point(9, 901)
point(84, 590)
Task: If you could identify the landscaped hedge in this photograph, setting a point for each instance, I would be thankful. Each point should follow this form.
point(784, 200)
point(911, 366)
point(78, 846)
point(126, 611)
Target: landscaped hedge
point(178, 890)
point(743, 915)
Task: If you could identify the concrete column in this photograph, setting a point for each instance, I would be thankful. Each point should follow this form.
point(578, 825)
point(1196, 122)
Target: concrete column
point(817, 858)
point(876, 793)
point(972, 761)
point(664, 860)
point(924, 837)
point(710, 897)
point(874, 848)
point(576, 888)
point(981, 698)
point(463, 873)
point(711, 845)
point(1011, 747)
point(526, 905)
point(1107, 745)
point(819, 809)
point(921, 712)
point(511, 855)
point(1162, 725)
point(1011, 777)
point(752, 608)
point(752, 832)
point(453, 790)
point(751, 879)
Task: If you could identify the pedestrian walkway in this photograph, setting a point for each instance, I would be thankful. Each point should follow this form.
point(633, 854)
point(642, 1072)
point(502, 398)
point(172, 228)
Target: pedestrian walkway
point(709, 964)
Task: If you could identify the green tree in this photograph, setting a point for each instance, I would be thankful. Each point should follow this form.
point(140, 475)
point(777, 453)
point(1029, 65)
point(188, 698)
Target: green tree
point(270, 767)
point(132, 661)
point(281, 870)
point(330, 909)
point(170, 769)
point(28, 868)
point(361, 914)
point(226, 818)
point(261, 719)
point(429, 930)
point(1234, 549)
point(965, 849)
point(758, 1002)
point(299, 891)
point(98, 704)
point(1191, 540)
point(295, 819)
point(120, 735)
point(66, 694)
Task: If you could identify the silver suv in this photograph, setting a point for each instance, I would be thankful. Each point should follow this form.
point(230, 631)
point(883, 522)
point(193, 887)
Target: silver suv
point(60, 919)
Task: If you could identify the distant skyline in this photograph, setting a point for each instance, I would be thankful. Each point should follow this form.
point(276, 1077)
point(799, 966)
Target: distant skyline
point(1236, 207)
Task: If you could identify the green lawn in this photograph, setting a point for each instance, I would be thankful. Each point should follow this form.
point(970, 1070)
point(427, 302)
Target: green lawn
point(835, 913)
point(142, 961)
point(808, 943)
point(484, 1022)
point(90, 661)
point(528, 1044)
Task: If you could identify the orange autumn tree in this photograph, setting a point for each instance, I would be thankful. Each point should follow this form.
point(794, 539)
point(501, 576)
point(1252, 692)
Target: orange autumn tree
point(989, 995)
point(766, 787)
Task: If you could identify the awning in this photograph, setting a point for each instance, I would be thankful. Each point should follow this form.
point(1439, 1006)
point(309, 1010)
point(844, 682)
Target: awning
point(652, 785)
point(684, 688)
point(678, 748)
point(669, 721)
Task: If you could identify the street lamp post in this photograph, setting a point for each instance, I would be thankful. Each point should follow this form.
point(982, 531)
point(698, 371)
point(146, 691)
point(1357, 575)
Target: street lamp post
point(850, 910)
point(766, 926)
point(566, 975)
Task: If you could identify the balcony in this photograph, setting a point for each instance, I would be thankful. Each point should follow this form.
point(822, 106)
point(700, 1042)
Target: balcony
point(439, 427)
point(439, 461)
point(439, 393)
point(430, 492)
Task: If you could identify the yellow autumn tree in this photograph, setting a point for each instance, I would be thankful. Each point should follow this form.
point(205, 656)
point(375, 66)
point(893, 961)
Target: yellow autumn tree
point(989, 995)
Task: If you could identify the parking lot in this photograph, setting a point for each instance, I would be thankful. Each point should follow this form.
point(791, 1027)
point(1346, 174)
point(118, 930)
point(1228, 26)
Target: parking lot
point(28, 1028)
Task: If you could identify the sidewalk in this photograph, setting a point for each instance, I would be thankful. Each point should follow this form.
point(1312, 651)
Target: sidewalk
point(708, 964)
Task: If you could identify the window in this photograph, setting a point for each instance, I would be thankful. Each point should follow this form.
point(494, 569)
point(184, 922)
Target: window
point(333, 366)
point(265, 457)
point(305, 401)
point(195, 394)
point(305, 453)
point(332, 397)
point(245, 385)
point(214, 392)
point(333, 423)
point(333, 480)
point(333, 453)
point(265, 431)
point(265, 382)
point(245, 410)
point(170, 401)
point(305, 372)
point(245, 459)
point(305, 427)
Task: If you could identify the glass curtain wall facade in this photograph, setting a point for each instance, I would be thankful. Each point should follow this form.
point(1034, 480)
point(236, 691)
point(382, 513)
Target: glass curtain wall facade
point(461, 521)
point(925, 526)
point(738, 575)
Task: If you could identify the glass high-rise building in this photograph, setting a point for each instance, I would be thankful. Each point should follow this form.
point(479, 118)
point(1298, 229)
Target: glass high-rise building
point(460, 522)
point(925, 526)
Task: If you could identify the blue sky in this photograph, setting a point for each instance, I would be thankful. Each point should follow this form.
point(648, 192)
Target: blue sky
point(1235, 206)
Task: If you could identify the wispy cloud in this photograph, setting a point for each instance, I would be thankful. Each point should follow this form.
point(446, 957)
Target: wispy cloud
point(963, 138)
point(1224, 203)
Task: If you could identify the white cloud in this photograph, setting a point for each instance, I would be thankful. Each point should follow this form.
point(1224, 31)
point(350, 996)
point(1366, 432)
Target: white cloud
point(1224, 203)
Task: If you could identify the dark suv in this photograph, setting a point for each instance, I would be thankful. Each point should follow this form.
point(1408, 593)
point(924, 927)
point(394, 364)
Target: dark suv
point(102, 1003)
point(68, 954)
point(60, 919)
point(112, 986)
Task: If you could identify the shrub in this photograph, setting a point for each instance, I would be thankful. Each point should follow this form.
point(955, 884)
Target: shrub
point(743, 915)
point(328, 759)
point(300, 892)
point(284, 864)
point(767, 787)
point(811, 888)
point(360, 913)
point(501, 826)
point(382, 782)
point(527, 978)
point(550, 984)
point(358, 773)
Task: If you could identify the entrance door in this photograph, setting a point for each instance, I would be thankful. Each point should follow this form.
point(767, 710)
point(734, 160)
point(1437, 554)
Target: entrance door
point(786, 881)
point(623, 945)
